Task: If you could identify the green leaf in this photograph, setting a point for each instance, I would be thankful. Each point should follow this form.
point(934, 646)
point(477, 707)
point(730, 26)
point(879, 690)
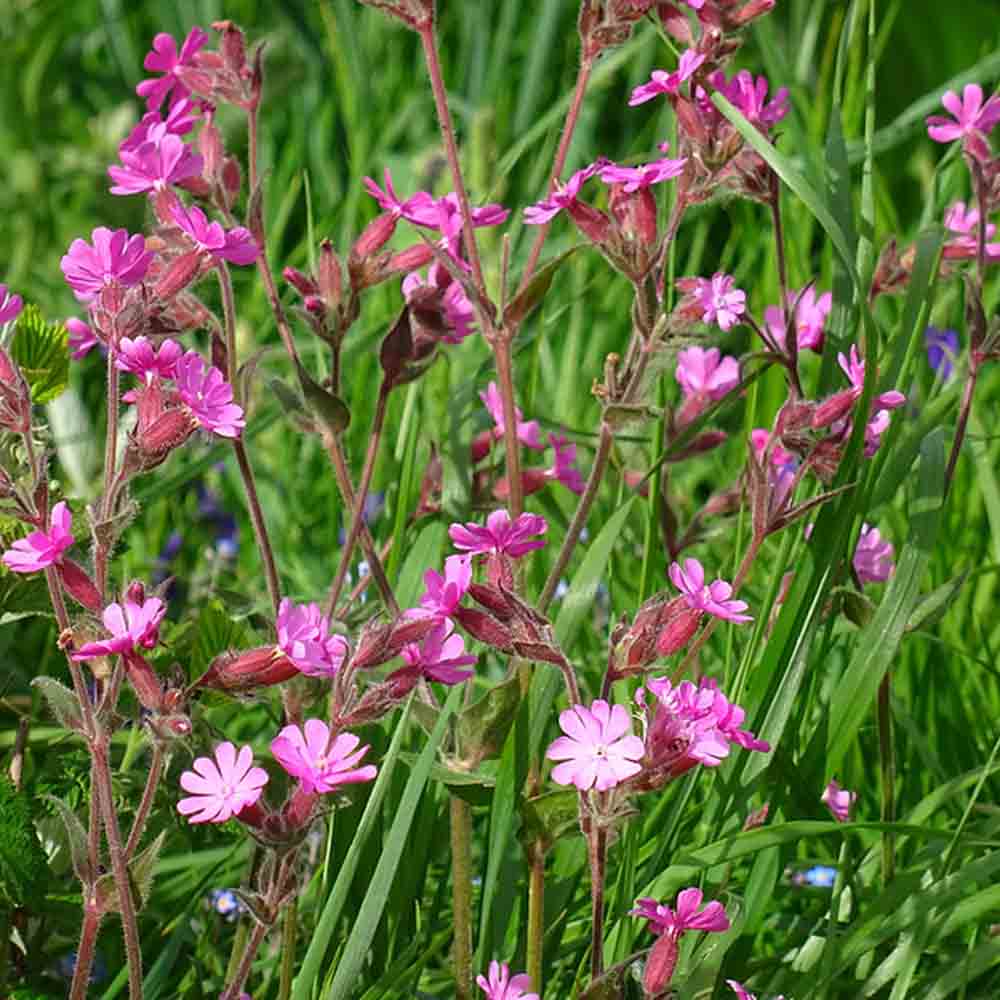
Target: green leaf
point(527, 301)
point(426, 551)
point(23, 868)
point(550, 816)
point(77, 837)
point(213, 631)
point(932, 607)
point(483, 726)
point(61, 701)
point(330, 409)
point(41, 350)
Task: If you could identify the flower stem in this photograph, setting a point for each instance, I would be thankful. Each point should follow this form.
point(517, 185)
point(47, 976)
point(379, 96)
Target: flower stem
point(887, 761)
point(146, 802)
point(536, 914)
point(512, 447)
point(451, 150)
point(597, 846)
point(259, 526)
point(257, 936)
point(289, 936)
point(964, 411)
point(229, 321)
point(460, 814)
point(85, 953)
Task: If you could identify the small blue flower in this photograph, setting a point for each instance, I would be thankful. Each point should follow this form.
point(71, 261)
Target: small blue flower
point(942, 349)
point(820, 876)
point(226, 903)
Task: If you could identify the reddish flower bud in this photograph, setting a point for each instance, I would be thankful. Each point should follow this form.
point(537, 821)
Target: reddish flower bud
point(232, 176)
point(660, 965)
point(15, 397)
point(179, 274)
point(232, 46)
point(302, 283)
point(376, 234)
point(144, 681)
point(210, 146)
point(750, 12)
point(675, 23)
point(678, 632)
point(593, 223)
point(79, 586)
point(248, 670)
point(757, 818)
point(832, 409)
point(330, 275)
point(481, 446)
point(411, 258)
point(485, 628)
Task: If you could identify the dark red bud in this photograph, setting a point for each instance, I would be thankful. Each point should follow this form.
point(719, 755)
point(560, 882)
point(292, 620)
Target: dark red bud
point(660, 965)
point(246, 671)
point(179, 274)
point(485, 628)
point(376, 234)
point(302, 283)
point(79, 586)
point(832, 409)
point(678, 632)
point(594, 224)
point(411, 258)
point(330, 274)
point(232, 176)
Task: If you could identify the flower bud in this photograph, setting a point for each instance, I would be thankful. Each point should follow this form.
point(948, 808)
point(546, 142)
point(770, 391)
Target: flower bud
point(660, 965)
point(210, 146)
point(485, 628)
point(236, 672)
point(178, 275)
point(79, 586)
point(15, 397)
point(376, 234)
point(330, 275)
point(144, 681)
point(301, 282)
point(592, 222)
point(232, 176)
point(832, 409)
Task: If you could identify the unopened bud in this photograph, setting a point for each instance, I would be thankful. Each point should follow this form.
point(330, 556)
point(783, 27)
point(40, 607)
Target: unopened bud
point(376, 234)
point(330, 274)
point(660, 965)
point(246, 671)
point(301, 282)
point(592, 222)
point(210, 146)
point(485, 628)
point(79, 586)
point(178, 275)
point(144, 681)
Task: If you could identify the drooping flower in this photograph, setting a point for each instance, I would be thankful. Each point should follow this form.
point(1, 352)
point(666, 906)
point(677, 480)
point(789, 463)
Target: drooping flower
point(942, 350)
point(662, 82)
point(221, 787)
point(562, 197)
point(444, 593)
point(164, 58)
point(145, 361)
point(154, 166)
point(440, 656)
point(42, 548)
point(501, 985)
point(528, 431)
point(970, 116)
point(307, 753)
point(131, 624)
point(82, 340)
point(208, 396)
point(713, 599)
point(717, 299)
point(500, 535)
point(304, 637)
point(810, 315)
point(599, 749)
point(839, 801)
point(114, 259)
point(235, 245)
point(10, 305)
point(643, 176)
point(705, 374)
point(873, 556)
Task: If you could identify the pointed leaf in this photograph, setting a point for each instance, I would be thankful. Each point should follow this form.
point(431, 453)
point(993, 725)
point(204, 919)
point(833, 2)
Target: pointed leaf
point(330, 409)
point(525, 302)
point(483, 726)
point(77, 837)
point(61, 701)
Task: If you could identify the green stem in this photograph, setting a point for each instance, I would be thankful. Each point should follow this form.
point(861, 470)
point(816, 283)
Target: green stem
point(597, 852)
point(887, 761)
point(289, 936)
point(536, 914)
point(460, 814)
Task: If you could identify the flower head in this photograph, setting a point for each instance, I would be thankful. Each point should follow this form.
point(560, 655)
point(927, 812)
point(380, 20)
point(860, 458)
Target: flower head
point(645, 175)
point(971, 118)
point(208, 396)
point(82, 340)
point(872, 557)
point(562, 197)
point(414, 208)
point(528, 431)
point(942, 350)
point(152, 127)
point(599, 749)
point(500, 535)
point(221, 787)
point(810, 315)
point(147, 362)
point(307, 753)
point(164, 58)
point(839, 801)
point(440, 655)
point(501, 985)
point(716, 298)
point(688, 915)
point(154, 166)
point(662, 82)
point(235, 245)
point(10, 305)
point(42, 548)
point(713, 598)
point(131, 624)
point(750, 97)
point(304, 637)
point(444, 593)
point(704, 374)
point(563, 466)
point(114, 259)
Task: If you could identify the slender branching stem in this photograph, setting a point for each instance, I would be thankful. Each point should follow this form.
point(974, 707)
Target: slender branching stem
point(597, 850)
point(257, 936)
point(229, 324)
point(289, 937)
point(964, 411)
point(259, 525)
point(512, 447)
point(146, 802)
point(460, 815)
point(85, 952)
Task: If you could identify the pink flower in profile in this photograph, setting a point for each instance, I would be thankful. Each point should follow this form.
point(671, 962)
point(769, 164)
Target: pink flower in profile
point(500, 535)
point(42, 548)
point(208, 396)
point(131, 624)
point(562, 197)
point(154, 166)
point(440, 655)
point(223, 787)
point(235, 245)
point(304, 637)
point(714, 598)
point(563, 466)
point(164, 58)
point(704, 374)
point(742, 993)
point(82, 340)
point(599, 749)
point(718, 301)
point(645, 175)
point(528, 431)
point(873, 556)
point(750, 97)
point(114, 259)
point(444, 593)
point(971, 118)
point(662, 82)
point(147, 362)
point(445, 214)
point(689, 914)
point(10, 305)
point(839, 801)
point(307, 753)
point(501, 985)
point(414, 208)
point(809, 319)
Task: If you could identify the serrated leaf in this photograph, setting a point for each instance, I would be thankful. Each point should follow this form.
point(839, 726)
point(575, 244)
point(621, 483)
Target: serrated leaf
point(41, 351)
point(77, 837)
point(213, 631)
point(23, 868)
point(61, 701)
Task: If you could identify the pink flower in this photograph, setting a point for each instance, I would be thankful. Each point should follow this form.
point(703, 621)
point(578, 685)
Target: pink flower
point(459, 314)
point(306, 753)
point(414, 208)
point(564, 467)
point(304, 637)
point(562, 197)
point(839, 801)
point(444, 593)
point(783, 467)
point(154, 166)
point(500, 535)
point(645, 175)
point(873, 556)
point(147, 362)
point(661, 82)
point(131, 624)
point(750, 97)
point(742, 993)
point(599, 749)
point(208, 396)
point(440, 655)
point(10, 305)
point(114, 259)
point(223, 787)
point(854, 368)
point(42, 548)
point(235, 245)
point(528, 431)
point(689, 914)
point(153, 126)
point(164, 58)
point(719, 302)
point(445, 214)
point(809, 318)
point(965, 223)
point(713, 599)
point(82, 340)
point(971, 118)
point(703, 375)
point(501, 985)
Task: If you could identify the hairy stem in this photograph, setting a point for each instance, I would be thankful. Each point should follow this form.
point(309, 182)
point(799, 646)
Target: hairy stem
point(259, 526)
point(597, 848)
point(229, 321)
point(85, 953)
point(232, 991)
point(887, 762)
point(146, 802)
point(512, 447)
point(289, 936)
point(460, 815)
point(536, 914)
